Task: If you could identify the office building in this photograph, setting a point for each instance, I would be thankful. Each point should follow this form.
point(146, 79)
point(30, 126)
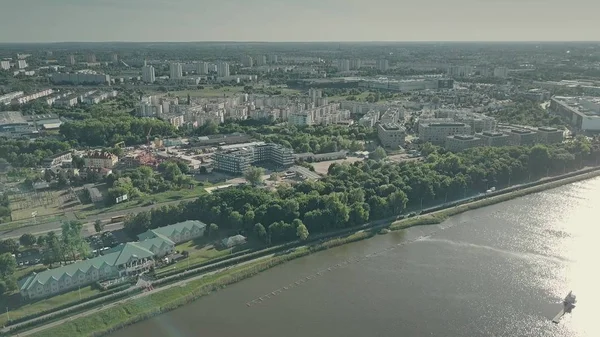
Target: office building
point(391, 135)
point(491, 138)
point(100, 159)
point(71, 60)
point(90, 58)
point(238, 158)
point(436, 133)
point(523, 137)
point(223, 69)
point(383, 65)
point(501, 72)
point(261, 60)
point(82, 77)
point(457, 143)
point(202, 68)
point(343, 65)
point(548, 135)
point(175, 71)
point(247, 61)
point(583, 113)
point(4, 64)
point(148, 75)
point(273, 58)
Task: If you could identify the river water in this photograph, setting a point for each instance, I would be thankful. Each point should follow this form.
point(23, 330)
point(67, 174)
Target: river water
point(496, 271)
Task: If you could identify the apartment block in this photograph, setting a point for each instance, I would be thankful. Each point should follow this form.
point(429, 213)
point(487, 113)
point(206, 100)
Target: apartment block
point(436, 133)
point(148, 75)
point(175, 71)
point(457, 143)
point(84, 77)
point(392, 115)
point(100, 159)
point(391, 135)
point(369, 119)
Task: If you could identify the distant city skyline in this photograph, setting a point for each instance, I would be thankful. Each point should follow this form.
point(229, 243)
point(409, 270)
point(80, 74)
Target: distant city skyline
point(288, 20)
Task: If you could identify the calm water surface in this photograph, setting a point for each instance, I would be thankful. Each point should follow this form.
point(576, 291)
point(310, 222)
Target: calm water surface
point(496, 271)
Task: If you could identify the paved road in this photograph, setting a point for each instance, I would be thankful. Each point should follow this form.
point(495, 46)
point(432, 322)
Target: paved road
point(146, 293)
point(45, 227)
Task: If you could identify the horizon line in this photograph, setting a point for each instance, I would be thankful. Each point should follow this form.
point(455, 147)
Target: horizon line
point(312, 41)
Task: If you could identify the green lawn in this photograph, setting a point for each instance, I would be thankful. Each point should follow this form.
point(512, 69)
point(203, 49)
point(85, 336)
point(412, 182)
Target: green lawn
point(361, 97)
point(208, 91)
point(17, 309)
point(199, 252)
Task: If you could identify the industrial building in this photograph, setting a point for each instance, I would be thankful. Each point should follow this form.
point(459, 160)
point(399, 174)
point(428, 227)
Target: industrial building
point(238, 158)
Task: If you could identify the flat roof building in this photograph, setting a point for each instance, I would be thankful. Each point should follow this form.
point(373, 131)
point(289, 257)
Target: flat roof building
point(583, 113)
point(237, 159)
point(494, 138)
point(548, 135)
point(436, 133)
point(457, 143)
point(523, 137)
point(391, 135)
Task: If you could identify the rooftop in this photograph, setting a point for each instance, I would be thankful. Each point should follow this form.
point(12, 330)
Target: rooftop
point(11, 117)
point(441, 125)
point(493, 134)
point(463, 137)
point(547, 129)
point(391, 127)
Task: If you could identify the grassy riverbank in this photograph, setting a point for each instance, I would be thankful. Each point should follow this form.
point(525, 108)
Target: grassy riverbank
point(160, 301)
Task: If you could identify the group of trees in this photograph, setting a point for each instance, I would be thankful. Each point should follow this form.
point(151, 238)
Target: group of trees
point(170, 175)
point(25, 153)
point(4, 208)
point(527, 113)
point(315, 139)
point(356, 193)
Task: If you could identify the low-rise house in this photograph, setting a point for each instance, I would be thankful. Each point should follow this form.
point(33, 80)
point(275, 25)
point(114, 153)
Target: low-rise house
point(100, 159)
point(177, 233)
point(233, 241)
point(57, 160)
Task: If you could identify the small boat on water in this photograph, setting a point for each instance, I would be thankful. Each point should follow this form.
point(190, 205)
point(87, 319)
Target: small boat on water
point(568, 305)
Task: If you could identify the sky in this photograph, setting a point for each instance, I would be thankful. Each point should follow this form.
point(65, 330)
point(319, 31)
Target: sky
point(298, 20)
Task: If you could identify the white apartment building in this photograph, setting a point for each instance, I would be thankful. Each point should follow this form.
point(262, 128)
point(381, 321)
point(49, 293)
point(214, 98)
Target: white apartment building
point(247, 61)
point(31, 97)
point(314, 94)
point(175, 120)
point(223, 69)
point(501, 72)
point(391, 135)
point(363, 107)
point(21, 64)
point(273, 58)
point(202, 68)
point(71, 60)
point(391, 116)
point(343, 65)
point(175, 71)
point(355, 64)
point(4, 65)
point(148, 75)
point(369, 119)
point(383, 65)
point(5, 99)
point(261, 60)
point(436, 133)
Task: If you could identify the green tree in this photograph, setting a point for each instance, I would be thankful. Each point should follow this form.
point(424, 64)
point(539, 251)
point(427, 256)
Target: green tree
point(254, 175)
point(260, 232)
point(72, 241)
point(98, 226)
point(8, 265)
point(27, 240)
point(378, 154)
point(301, 230)
point(8, 246)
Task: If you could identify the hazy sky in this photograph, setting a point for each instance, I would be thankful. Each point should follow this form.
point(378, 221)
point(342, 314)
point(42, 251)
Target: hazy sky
point(298, 20)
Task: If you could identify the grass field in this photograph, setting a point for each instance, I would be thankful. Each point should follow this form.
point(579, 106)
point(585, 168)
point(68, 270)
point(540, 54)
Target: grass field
point(208, 92)
point(199, 253)
point(17, 310)
point(360, 97)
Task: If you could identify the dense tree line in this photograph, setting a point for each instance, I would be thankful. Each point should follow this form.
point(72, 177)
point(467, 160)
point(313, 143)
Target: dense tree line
point(527, 113)
point(4, 208)
point(353, 194)
point(26, 153)
point(316, 139)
